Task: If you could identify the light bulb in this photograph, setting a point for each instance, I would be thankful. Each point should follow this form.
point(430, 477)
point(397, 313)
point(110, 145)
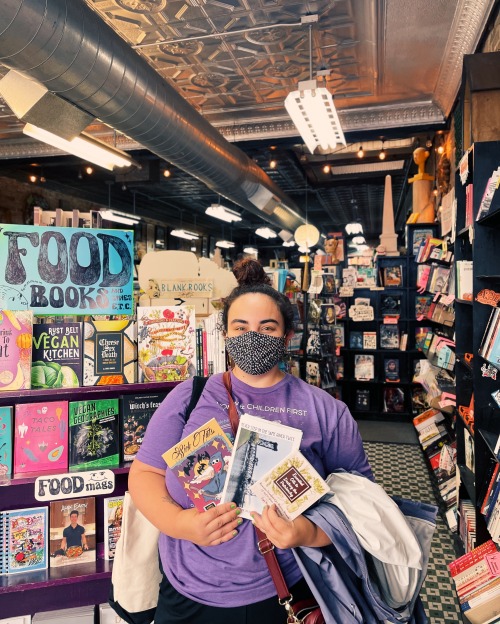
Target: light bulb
point(33, 178)
point(382, 154)
point(326, 168)
point(273, 164)
point(89, 170)
point(361, 152)
point(166, 173)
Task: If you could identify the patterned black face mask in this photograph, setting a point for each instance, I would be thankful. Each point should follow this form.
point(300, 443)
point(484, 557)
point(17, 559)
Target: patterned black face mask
point(254, 353)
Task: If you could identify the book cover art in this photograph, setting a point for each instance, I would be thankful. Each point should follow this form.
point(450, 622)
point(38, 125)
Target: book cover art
point(393, 276)
point(23, 534)
point(327, 372)
point(94, 439)
point(313, 346)
point(72, 531)
point(259, 445)
point(328, 284)
point(364, 367)
point(327, 343)
point(136, 411)
point(200, 462)
point(328, 315)
point(110, 351)
point(166, 343)
point(338, 332)
point(41, 437)
point(113, 514)
point(390, 305)
point(356, 340)
point(394, 400)
point(293, 485)
point(369, 340)
point(16, 335)
point(57, 357)
point(339, 367)
point(420, 337)
point(6, 432)
point(422, 305)
point(312, 373)
point(362, 400)
point(391, 369)
point(389, 336)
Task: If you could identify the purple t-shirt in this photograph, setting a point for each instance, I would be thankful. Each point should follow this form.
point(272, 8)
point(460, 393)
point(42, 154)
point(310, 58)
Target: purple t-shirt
point(234, 573)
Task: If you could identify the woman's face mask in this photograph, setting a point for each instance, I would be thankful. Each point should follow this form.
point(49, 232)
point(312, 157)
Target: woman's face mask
point(255, 353)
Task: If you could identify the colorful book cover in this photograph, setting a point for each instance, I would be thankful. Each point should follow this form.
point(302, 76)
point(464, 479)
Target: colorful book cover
point(293, 485)
point(136, 411)
point(113, 515)
point(394, 400)
point(420, 337)
point(72, 531)
point(16, 336)
point(6, 416)
point(41, 437)
point(94, 438)
point(391, 369)
point(259, 445)
point(313, 373)
point(166, 343)
point(57, 358)
point(389, 336)
point(23, 535)
point(422, 305)
point(200, 461)
point(110, 352)
point(364, 367)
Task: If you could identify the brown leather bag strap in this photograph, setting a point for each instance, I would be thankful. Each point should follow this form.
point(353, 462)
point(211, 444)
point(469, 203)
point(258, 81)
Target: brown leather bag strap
point(266, 548)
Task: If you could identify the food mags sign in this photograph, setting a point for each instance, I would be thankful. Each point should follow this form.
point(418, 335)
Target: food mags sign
point(66, 270)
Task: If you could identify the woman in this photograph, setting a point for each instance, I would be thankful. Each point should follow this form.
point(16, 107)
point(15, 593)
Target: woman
point(213, 572)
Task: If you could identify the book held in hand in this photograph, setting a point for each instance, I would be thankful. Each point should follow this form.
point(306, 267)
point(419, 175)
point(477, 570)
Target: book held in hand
point(293, 485)
point(200, 461)
point(259, 446)
point(23, 535)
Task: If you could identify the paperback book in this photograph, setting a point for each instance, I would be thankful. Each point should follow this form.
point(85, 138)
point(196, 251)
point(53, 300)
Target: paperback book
point(313, 346)
point(166, 343)
point(6, 417)
point(362, 400)
point(72, 531)
point(110, 349)
point(94, 438)
point(393, 400)
point(113, 514)
point(136, 411)
point(258, 447)
point(356, 340)
point(293, 485)
point(389, 336)
point(313, 373)
point(327, 343)
point(327, 372)
point(369, 340)
point(422, 305)
point(391, 369)
point(390, 305)
point(16, 333)
point(57, 356)
point(41, 437)
point(200, 463)
point(23, 535)
point(392, 276)
point(364, 367)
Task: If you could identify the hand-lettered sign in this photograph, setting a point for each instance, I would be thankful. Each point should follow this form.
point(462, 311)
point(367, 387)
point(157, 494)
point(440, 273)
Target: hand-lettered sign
point(66, 270)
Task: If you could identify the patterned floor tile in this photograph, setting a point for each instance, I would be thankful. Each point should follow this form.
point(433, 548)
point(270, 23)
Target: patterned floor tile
point(401, 470)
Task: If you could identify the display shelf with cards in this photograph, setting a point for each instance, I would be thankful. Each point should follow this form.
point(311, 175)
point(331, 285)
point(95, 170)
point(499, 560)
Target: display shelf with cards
point(80, 583)
point(477, 334)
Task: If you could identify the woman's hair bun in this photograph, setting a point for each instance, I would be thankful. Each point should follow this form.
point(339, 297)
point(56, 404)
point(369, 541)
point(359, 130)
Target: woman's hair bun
point(249, 271)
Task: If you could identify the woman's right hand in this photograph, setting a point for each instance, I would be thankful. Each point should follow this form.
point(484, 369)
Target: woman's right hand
point(209, 528)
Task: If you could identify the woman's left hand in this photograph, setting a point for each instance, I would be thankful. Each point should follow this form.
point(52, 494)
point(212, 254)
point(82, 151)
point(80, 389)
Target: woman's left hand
point(289, 534)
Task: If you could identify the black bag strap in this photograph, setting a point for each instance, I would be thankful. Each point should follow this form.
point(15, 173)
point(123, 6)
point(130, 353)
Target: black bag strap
point(198, 385)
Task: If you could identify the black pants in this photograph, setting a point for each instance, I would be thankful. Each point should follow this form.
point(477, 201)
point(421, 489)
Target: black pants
point(174, 608)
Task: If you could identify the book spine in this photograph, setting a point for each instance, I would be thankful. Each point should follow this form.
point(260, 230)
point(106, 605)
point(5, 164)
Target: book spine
point(491, 486)
point(3, 543)
point(493, 502)
point(469, 559)
point(489, 591)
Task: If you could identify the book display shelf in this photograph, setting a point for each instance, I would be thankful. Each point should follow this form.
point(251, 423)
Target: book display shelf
point(74, 585)
point(478, 361)
point(380, 354)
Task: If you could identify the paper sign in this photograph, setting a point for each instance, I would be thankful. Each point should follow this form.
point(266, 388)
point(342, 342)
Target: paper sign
point(186, 288)
point(488, 297)
point(346, 291)
point(361, 313)
point(66, 270)
point(74, 485)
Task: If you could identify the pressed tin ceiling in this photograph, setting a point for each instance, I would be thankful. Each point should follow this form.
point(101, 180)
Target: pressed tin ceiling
point(393, 66)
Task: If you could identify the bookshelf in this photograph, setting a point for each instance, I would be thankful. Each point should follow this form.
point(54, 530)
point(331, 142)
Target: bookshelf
point(66, 586)
point(476, 241)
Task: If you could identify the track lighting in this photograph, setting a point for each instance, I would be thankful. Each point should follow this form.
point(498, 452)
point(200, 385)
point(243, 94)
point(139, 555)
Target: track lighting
point(266, 232)
point(186, 234)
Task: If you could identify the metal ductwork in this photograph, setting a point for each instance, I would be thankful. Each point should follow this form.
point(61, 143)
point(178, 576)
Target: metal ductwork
point(67, 47)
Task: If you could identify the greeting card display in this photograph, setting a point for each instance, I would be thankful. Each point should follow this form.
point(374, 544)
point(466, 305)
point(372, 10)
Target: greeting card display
point(166, 343)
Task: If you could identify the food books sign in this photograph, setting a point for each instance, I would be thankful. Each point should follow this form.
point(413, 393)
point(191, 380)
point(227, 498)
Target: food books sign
point(66, 270)
point(75, 485)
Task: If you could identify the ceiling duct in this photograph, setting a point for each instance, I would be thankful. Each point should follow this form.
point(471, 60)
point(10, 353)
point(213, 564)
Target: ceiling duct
point(68, 48)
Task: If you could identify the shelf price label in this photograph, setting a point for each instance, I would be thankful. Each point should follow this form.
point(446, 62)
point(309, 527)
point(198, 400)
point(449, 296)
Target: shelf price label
point(74, 485)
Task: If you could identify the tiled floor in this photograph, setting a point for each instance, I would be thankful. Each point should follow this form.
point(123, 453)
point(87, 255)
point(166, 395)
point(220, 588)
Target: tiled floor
point(401, 470)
